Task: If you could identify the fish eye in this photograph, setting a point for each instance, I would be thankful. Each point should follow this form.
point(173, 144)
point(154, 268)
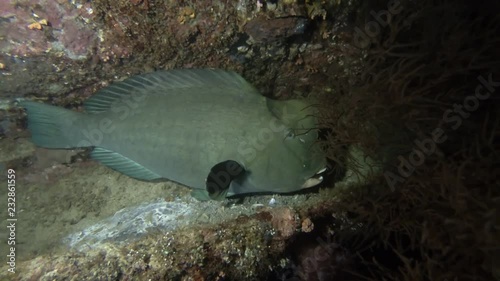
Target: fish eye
point(289, 134)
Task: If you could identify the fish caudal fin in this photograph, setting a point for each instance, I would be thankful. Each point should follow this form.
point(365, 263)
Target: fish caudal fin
point(50, 126)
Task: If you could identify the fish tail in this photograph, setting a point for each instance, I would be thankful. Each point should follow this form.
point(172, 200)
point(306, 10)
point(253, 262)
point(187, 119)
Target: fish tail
point(51, 126)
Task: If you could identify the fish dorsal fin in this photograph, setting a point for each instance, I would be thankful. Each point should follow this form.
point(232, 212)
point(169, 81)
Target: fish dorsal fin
point(220, 177)
point(123, 164)
point(163, 81)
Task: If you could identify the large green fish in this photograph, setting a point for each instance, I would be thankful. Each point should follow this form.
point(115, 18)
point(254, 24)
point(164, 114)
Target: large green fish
point(207, 129)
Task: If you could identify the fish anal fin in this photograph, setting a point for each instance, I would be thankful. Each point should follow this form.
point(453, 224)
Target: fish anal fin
point(123, 164)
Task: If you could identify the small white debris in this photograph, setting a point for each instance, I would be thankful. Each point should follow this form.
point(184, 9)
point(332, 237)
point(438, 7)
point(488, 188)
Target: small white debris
point(242, 49)
point(257, 205)
point(272, 201)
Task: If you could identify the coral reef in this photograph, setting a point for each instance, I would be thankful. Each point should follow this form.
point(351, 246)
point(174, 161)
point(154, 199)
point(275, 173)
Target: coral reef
point(85, 43)
point(407, 105)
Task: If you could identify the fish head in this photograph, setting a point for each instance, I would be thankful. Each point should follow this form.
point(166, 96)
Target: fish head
point(290, 163)
point(289, 159)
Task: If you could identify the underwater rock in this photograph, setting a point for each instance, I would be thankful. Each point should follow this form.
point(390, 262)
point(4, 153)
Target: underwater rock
point(33, 28)
point(264, 30)
point(130, 223)
point(322, 262)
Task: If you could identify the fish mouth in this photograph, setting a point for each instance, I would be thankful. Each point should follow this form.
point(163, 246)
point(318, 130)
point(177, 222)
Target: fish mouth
point(314, 180)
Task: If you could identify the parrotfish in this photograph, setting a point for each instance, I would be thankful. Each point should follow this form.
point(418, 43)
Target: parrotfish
point(207, 129)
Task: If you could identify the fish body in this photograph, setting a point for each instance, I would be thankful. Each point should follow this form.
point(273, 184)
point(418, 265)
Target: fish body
point(206, 129)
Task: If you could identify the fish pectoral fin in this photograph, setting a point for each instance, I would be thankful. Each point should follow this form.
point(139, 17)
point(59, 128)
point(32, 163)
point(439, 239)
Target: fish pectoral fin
point(123, 164)
point(200, 194)
point(220, 177)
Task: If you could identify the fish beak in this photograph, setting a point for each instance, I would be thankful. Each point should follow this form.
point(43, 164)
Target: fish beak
point(314, 180)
